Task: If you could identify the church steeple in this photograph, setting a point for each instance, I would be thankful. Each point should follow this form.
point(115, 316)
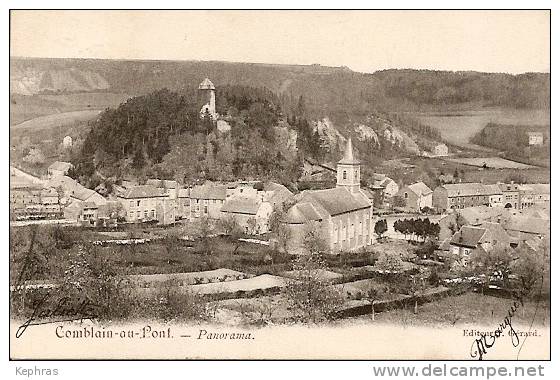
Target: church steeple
point(348, 170)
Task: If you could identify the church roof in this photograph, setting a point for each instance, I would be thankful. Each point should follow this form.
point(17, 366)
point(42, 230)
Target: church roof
point(337, 201)
point(349, 155)
point(301, 213)
point(206, 85)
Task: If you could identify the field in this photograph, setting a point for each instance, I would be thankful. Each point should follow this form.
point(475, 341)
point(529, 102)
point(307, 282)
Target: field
point(458, 128)
point(426, 169)
point(469, 309)
point(58, 120)
point(491, 162)
point(24, 108)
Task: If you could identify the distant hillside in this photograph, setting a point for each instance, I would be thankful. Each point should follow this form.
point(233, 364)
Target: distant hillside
point(336, 92)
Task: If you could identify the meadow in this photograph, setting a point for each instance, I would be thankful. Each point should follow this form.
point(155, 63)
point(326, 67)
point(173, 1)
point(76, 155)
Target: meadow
point(26, 108)
point(457, 128)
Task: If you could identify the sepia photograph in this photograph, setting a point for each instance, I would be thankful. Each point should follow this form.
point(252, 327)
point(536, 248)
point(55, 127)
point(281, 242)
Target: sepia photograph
point(280, 184)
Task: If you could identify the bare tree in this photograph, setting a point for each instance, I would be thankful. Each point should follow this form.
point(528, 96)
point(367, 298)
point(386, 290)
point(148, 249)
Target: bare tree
point(311, 298)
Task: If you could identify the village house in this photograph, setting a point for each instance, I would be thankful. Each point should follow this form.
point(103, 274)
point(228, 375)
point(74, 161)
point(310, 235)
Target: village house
point(207, 200)
point(390, 187)
point(29, 199)
point(183, 203)
point(342, 215)
point(274, 193)
point(252, 203)
point(483, 237)
point(535, 138)
point(461, 195)
point(140, 203)
point(533, 194)
point(89, 213)
point(251, 214)
point(169, 187)
point(417, 196)
point(510, 193)
point(58, 168)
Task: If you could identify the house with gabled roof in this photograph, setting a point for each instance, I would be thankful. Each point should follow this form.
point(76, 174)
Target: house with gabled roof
point(390, 187)
point(140, 203)
point(207, 200)
point(343, 215)
point(417, 196)
point(461, 195)
point(250, 213)
point(483, 237)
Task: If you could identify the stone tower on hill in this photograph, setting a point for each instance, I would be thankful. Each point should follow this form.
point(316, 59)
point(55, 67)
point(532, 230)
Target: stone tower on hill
point(208, 94)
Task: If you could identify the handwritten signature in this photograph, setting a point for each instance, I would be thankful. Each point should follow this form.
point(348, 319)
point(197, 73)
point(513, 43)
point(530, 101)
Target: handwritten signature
point(486, 341)
point(64, 309)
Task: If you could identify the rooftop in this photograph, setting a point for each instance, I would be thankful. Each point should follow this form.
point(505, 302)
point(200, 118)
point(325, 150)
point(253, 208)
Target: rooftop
point(206, 85)
point(470, 189)
point(143, 191)
point(209, 191)
point(241, 205)
point(420, 188)
point(336, 201)
point(468, 236)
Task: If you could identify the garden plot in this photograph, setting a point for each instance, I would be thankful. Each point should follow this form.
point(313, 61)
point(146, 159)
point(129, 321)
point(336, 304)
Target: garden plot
point(358, 289)
point(259, 283)
point(266, 309)
point(191, 278)
point(321, 274)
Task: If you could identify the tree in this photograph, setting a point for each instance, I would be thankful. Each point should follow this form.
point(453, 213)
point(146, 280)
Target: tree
point(314, 240)
point(35, 157)
point(457, 222)
point(532, 268)
point(252, 225)
point(204, 230)
point(390, 263)
point(380, 227)
point(231, 228)
point(310, 297)
point(494, 263)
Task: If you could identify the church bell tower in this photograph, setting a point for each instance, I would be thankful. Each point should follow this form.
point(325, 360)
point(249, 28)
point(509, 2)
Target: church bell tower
point(348, 170)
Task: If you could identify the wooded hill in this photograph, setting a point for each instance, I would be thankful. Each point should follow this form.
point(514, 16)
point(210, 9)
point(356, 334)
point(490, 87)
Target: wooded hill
point(336, 92)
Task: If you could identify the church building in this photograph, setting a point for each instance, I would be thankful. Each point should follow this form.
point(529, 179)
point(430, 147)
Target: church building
point(344, 214)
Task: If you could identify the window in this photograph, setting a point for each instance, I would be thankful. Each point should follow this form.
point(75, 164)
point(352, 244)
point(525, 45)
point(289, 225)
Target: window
point(360, 228)
point(206, 209)
point(153, 213)
point(131, 203)
point(145, 213)
point(405, 195)
point(343, 237)
point(138, 203)
point(138, 214)
point(351, 231)
point(335, 234)
point(356, 174)
point(344, 174)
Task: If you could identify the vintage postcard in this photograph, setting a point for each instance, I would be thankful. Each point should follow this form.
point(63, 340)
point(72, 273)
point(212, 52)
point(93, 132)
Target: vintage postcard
point(280, 184)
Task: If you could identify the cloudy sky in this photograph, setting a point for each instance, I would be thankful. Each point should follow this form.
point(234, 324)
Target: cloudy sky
point(493, 41)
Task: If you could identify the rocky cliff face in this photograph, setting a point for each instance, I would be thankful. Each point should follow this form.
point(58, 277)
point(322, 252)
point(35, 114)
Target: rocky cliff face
point(30, 81)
